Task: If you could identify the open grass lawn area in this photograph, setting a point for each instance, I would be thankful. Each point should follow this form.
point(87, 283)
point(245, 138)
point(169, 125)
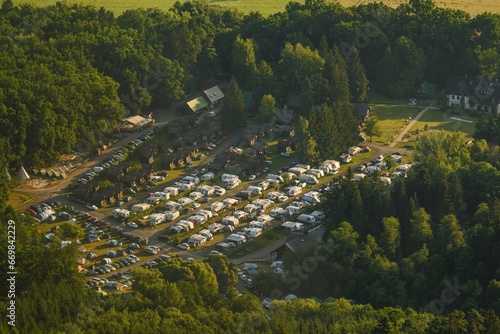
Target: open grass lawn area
point(438, 120)
point(20, 200)
point(392, 119)
point(267, 7)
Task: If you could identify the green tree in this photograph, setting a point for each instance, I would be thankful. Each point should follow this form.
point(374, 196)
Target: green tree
point(324, 131)
point(306, 147)
point(488, 128)
point(233, 110)
point(69, 231)
point(401, 68)
point(421, 231)
point(266, 108)
point(450, 235)
point(372, 127)
point(244, 64)
point(358, 83)
point(335, 72)
point(297, 64)
point(390, 239)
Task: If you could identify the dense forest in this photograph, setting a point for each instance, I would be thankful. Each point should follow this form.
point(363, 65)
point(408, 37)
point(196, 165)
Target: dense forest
point(421, 256)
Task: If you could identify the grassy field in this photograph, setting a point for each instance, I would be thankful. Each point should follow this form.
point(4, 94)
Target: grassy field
point(437, 121)
point(392, 118)
point(267, 7)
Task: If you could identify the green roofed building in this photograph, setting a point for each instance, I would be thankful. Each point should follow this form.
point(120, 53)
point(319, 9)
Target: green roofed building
point(210, 98)
point(198, 104)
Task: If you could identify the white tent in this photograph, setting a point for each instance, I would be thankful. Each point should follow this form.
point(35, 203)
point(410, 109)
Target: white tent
point(22, 174)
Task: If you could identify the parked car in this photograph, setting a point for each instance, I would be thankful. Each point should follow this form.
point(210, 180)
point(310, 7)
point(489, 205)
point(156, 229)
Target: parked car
point(184, 246)
point(132, 224)
point(206, 148)
point(91, 207)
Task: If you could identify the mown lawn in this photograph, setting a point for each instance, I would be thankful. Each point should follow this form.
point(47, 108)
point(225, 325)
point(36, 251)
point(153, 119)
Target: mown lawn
point(436, 120)
point(392, 119)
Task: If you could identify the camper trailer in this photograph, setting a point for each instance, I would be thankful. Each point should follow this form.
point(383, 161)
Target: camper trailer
point(173, 215)
point(153, 200)
point(309, 179)
point(172, 191)
point(161, 195)
point(141, 207)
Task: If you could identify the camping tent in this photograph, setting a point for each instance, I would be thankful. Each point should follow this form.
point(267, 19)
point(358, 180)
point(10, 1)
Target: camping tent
point(22, 174)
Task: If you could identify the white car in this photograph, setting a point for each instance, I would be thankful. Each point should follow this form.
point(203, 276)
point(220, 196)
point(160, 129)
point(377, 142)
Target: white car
point(211, 145)
point(252, 177)
point(212, 114)
point(184, 246)
point(133, 225)
point(285, 154)
point(91, 207)
point(214, 252)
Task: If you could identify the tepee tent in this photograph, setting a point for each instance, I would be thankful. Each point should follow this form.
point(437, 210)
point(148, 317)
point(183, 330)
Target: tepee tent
point(22, 174)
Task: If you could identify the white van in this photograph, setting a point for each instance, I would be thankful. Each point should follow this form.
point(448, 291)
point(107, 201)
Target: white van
point(153, 200)
point(275, 177)
point(173, 215)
